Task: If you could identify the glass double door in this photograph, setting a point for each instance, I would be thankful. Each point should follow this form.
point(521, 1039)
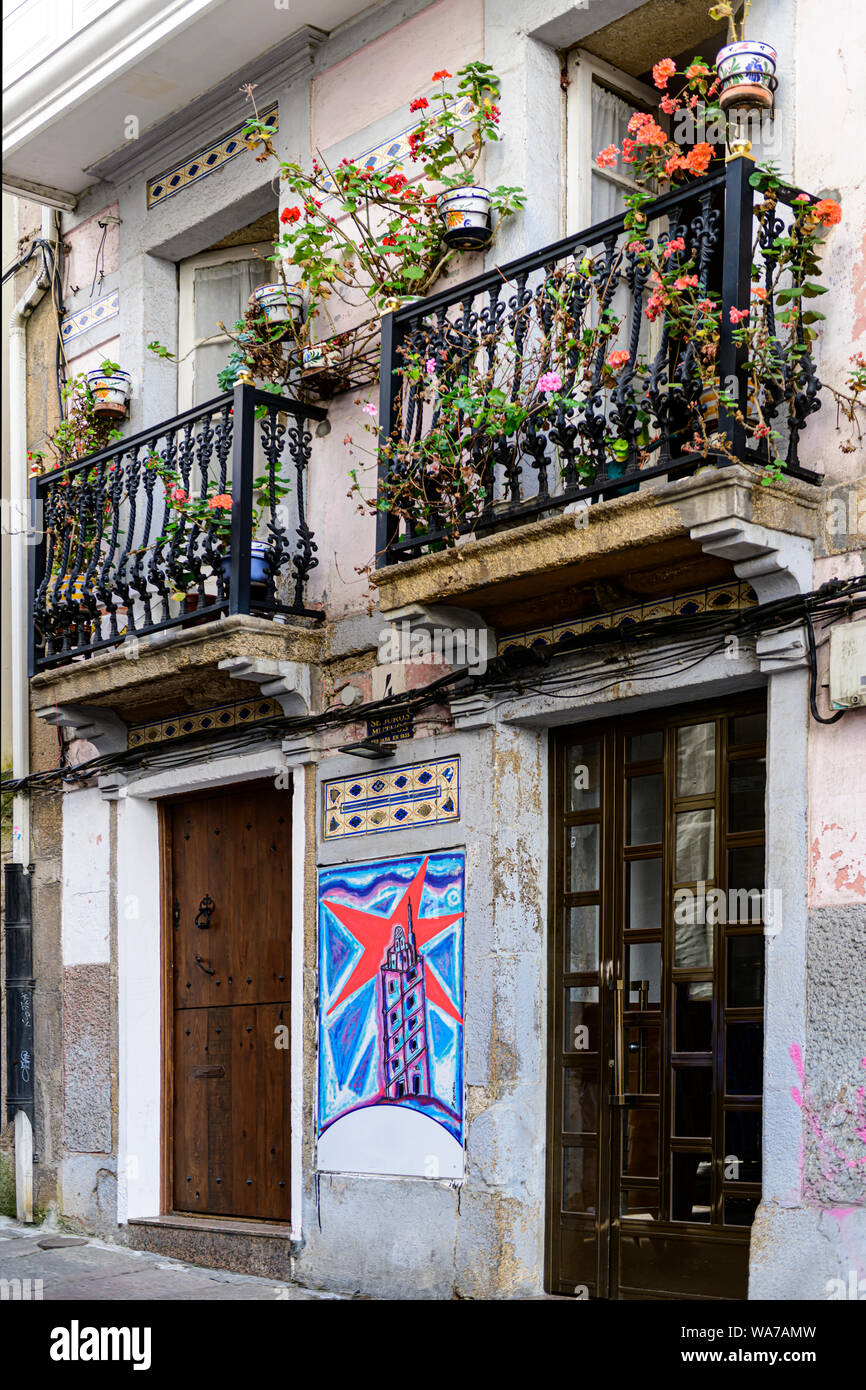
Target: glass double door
point(656, 1004)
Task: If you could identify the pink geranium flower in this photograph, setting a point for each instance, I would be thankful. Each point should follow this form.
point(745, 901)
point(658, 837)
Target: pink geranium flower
point(370, 409)
point(550, 381)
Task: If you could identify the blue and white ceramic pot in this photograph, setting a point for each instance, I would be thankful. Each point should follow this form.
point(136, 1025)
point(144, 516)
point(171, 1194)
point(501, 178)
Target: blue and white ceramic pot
point(747, 74)
point(466, 214)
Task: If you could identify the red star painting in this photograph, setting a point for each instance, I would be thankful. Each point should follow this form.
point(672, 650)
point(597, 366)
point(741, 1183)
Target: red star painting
point(374, 933)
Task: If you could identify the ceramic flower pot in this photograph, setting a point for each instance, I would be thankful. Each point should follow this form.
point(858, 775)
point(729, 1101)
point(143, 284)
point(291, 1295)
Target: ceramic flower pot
point(747, 74)
point(465, 213)
point(111, 393)
point(259, 566)
point(281, 307)
point(316, 358)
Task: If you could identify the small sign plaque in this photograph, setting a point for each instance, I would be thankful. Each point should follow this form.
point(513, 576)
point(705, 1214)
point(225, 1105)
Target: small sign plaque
point(388, 728)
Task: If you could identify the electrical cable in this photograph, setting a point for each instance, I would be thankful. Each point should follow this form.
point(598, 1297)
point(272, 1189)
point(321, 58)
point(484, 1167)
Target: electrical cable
point(813, 679)
point(712, 633)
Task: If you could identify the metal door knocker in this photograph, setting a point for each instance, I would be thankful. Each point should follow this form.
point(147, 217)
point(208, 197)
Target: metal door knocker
point(205, 912)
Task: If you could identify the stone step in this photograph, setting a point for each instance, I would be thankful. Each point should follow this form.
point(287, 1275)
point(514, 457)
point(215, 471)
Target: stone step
point(243, 1247)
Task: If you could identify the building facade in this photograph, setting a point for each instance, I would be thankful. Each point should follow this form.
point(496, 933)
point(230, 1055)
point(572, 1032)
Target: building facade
point(524, 954)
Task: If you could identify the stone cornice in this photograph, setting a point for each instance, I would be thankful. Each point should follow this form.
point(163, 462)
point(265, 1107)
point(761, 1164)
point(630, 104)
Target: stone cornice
point(214, 113)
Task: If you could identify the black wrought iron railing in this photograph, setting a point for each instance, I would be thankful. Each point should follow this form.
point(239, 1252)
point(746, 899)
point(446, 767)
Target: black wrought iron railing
point(508, 325)
point(201, 515)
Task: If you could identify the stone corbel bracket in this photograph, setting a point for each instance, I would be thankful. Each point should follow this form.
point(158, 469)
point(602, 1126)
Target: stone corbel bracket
point(459, 635)
point(101, 727)
point(778, 564)
point(287, 682)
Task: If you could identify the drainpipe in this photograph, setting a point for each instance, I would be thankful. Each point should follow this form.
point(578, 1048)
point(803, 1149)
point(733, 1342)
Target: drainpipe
point(19, 488)
point(19, 995)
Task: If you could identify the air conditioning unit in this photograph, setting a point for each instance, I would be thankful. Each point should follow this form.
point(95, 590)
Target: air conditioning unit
point(848, 665)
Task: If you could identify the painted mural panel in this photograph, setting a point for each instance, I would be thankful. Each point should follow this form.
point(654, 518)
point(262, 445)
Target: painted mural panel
point(391, 1016)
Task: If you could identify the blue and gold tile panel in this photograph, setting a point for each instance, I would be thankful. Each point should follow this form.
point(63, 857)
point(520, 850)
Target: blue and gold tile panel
point(717, 598)
point(402, 798)
point(202, 721)
point(198, 166)
point(393, 153)
point(91, 316)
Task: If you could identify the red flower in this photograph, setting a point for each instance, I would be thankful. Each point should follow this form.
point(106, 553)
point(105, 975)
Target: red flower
point(686, 282)
point(737, 314)
point(418, 104)
point(395, 182)
point(440, 75)
point(389, 241)
point(290, 215)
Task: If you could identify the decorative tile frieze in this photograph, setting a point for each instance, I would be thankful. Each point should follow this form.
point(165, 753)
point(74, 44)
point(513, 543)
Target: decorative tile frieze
point(91, 316)
point(392, 153)
point(198, 166)
point(718, 598)
point(215, 719)
point(402, 798)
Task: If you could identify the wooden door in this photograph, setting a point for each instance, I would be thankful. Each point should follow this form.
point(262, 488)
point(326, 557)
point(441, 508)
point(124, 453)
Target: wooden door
point(229, 863)
point(656, 1035)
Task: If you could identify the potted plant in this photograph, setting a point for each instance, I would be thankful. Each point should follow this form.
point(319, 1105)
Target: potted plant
point(111, 388)
point(377, 236)
point(281, 307)
point(746, 68)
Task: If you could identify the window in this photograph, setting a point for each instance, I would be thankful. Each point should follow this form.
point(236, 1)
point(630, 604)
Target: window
point(214, 289)
point(601, 100)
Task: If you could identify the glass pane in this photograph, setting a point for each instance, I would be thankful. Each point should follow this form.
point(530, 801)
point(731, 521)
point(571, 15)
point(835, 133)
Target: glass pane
point(636, 1205)
point(690, 1187)
point(746, 868)
point(696, 759)
point(693, 935)
point(643, 975)
point(744, 1059)
point(643, 885)
point(583, 858)
point(581, 938)
point(645, 809)
point(695, 854)
point(640, 1143)
point(745, 972)
point(693, 1018)
point(583, 776)
point(581, 1019)
point(693, 1102)
point(579, 1167)
point(747, 728)
point(746, 802)
point(642, 1060)
point(742, 1146)
point(740, 1211)
point(580, 1102)
point(641, 748)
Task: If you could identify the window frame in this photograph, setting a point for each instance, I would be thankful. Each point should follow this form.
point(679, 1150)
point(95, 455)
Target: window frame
point(582, 70)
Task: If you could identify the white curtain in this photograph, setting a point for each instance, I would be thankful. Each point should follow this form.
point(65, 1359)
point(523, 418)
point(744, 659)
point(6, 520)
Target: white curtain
point(610, 118)
point(220, 295)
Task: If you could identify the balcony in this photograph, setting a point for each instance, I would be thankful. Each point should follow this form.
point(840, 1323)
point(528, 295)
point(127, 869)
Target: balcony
point(201, 517)
point(590, 491)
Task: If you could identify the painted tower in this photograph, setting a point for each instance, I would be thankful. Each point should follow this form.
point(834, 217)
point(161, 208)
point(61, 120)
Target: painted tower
point(404, 1014)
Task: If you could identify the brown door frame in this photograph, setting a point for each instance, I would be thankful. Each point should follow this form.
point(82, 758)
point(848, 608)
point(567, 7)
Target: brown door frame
point(612, 778)
point(166, 897)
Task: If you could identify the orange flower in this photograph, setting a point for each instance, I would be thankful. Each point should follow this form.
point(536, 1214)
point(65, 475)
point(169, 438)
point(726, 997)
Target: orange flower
point(440, 75)
point(698, 158)
point(828, 212)
point(607, 158)
point(221, 500)
point(663, 71)
point(697, 70)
